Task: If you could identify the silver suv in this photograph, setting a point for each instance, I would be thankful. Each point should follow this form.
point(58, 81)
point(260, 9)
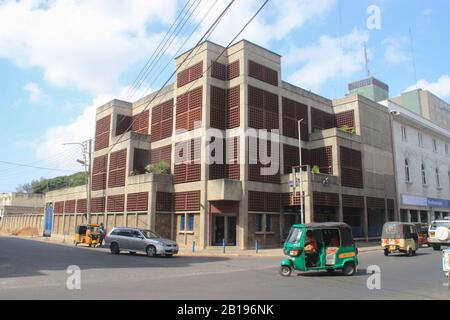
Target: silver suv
point(439, 234)
point(140, 240)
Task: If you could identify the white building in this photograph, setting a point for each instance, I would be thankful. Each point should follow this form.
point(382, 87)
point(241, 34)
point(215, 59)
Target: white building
point(422, 161)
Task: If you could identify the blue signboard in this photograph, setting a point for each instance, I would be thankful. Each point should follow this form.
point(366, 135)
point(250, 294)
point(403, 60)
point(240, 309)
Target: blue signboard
point(425, 202)
point(48, 220)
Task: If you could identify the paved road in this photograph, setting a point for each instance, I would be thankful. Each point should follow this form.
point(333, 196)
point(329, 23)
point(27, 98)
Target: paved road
point(37, 270)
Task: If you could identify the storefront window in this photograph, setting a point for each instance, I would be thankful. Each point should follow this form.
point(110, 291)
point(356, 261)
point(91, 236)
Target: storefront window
point(259, 223)
point(269, 223)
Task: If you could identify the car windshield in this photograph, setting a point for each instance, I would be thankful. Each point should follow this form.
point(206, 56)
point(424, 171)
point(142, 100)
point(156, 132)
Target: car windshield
point(294, 235)
point(150, 234)
point(436, 225)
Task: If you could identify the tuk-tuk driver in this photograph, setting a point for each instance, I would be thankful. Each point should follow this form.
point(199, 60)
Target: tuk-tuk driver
point(102, 232)
point(311, 248)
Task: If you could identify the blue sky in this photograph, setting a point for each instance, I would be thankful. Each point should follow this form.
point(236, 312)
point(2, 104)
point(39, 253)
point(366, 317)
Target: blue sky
point(67, 57)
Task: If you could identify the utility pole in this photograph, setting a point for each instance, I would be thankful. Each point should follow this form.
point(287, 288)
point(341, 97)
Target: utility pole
point(87, 164)
point(301, 169)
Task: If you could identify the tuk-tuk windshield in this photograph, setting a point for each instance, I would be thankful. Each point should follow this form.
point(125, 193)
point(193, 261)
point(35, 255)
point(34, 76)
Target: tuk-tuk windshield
point(393, 231)
point(93, 229)
point(294, 236)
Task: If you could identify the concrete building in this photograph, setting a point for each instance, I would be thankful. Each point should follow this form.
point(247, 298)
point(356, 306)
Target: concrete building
point(20, 209)
point(422, 160)
point(224, 102)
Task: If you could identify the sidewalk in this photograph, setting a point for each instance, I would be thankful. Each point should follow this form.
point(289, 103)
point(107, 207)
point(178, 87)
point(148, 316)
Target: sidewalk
point(209, 252)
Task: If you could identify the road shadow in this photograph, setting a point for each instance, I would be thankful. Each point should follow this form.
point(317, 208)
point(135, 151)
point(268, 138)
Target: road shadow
point(337, 273)
point(27, 258)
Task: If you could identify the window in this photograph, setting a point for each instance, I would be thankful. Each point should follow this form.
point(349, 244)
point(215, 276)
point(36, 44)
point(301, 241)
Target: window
point(259, 223)
point(189, 226)
point(420, 136)
point(438, 178)
point(435, 149)
point(404, 136)
point(269, 227)
point(407, 172)
point(424, 175)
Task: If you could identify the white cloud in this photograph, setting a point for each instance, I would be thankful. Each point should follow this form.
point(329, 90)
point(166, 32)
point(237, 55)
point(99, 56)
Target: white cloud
point(85, 44)
point(275, 22)
point(395, 52)
point(328, 59)
point(35, 94)
point(441, 87)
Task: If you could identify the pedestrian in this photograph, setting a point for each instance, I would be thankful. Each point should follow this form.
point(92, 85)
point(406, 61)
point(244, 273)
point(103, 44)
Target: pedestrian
point(102, 232)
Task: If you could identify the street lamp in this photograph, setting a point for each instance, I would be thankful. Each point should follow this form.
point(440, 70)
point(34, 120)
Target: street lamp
point(301, 169)
point(86, 163)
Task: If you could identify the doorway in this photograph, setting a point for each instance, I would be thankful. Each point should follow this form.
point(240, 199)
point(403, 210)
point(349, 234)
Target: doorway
point(224, 228)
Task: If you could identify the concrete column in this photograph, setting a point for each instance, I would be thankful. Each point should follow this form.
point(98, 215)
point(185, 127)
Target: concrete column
point(152, 208)
point(409, 215)
point(419, 216)
point(366, 220)
point(341, 209)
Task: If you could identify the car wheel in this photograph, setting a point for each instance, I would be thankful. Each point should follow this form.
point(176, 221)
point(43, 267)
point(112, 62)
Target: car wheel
point(349, 269)
point(386, 252)
point(132, 253)
point(414, 252)
point(151, 251)
point(115, 248)
point(286, 271)
point(169, 255)
point(409, 253)
point(436, 247)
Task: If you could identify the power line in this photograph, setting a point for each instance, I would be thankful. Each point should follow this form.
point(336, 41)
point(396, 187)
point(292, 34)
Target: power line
point(157, 50)
point(35, 167)
point(205, 36)
point(155, 64)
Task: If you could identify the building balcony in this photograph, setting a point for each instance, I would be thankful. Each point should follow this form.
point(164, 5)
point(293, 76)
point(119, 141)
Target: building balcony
point(334, 133)
point(224, 190)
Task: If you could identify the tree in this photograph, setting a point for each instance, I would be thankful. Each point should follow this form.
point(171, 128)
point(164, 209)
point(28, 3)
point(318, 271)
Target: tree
point(45, 185)
point(24, 188)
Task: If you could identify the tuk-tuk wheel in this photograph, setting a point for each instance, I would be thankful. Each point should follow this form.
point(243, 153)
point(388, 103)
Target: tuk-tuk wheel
point(386, 252)
point(410, 252)
point(436, 247)
point(349, 269)
point(286, 271)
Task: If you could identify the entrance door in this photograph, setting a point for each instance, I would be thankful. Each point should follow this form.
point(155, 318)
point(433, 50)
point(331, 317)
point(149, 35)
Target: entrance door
point(224, 228)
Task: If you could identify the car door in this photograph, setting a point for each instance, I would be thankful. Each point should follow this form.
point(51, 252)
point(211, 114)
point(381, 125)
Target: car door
point(124, 240)
point(137, 242)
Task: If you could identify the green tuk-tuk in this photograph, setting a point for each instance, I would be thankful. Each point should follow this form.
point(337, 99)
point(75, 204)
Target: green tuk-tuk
point(320, 246)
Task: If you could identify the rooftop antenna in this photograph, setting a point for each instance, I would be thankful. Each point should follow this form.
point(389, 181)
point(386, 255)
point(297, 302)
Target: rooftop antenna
point(413, 56)
point(366, 59)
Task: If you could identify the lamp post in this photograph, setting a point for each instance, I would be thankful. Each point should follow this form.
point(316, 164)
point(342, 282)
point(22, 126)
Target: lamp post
point(302, 219)
point(87, 163)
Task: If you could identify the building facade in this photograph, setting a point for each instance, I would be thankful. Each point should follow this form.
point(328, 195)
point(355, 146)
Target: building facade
point(19, 210)
point(422, 160)
point(238, 103)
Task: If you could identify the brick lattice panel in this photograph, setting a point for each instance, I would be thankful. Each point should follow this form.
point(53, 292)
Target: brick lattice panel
point(69, 206)
point(187, 201)
point(345, 119)
point(98, 205)
point(218, 70)
point(326, 199)
point(102, 129)
point(81, 206)
point(349, 201)
point(293, 112)
point(117, 169)
point(217, 108)
point(351, 168)
point(141, 122)
point(165, 201)
point(189, 109)
point(233, 70)
point(263, 109)
point(264, 202)
point(123, 124)
point(58, 207)
point(162, 121)
point(99, 173)
point(116, 203)
point(189, 170)
point(321, 120)
point(322, 157)
point(233, 167)
point(233, 107)
point(161, 154)
point(137, 202)
point(189, 75)
point(375, 203)
point(262, 73)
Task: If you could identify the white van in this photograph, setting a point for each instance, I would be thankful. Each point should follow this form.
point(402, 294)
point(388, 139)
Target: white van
point(439, 234)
